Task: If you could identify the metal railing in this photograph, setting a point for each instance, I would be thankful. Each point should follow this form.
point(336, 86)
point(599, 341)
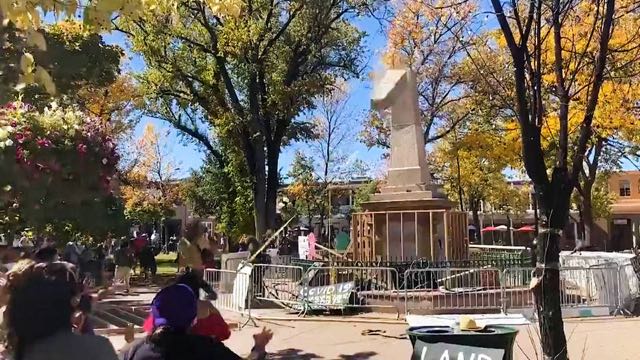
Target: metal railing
point(277, 283)
point(435, 290)
point(369, 288)
point(452, 290)
point(232, 289)
point(579, 287)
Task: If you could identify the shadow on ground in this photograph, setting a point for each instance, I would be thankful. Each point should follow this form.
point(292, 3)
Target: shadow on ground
point(293, 354)
point(359, 356)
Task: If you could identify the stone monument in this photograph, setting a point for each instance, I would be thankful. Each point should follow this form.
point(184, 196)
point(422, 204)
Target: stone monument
point(409, 218)
point(408, 183)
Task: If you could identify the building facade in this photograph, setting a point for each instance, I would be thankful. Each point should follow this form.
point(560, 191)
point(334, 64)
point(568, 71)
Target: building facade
point(624, 227)
point(619, 233)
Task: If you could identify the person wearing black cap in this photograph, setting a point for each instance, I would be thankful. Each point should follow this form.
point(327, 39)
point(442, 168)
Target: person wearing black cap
point(209, 321)
point(174, 310)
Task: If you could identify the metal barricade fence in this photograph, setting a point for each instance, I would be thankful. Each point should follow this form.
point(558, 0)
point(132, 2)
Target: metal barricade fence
point(579, 287)
point(628, 289)
point(277, 283)
point(232, 264)
point(344, 287)
point(232, 289)
point(281, 260)
point(452, 290)
point(515, 288)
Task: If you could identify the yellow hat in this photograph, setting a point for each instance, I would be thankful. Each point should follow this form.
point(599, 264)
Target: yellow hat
point(468, 324)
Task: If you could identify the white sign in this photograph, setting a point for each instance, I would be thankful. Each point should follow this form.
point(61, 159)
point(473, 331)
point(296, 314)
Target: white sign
point(241, 286)
point(444, 351)
point(303, 247)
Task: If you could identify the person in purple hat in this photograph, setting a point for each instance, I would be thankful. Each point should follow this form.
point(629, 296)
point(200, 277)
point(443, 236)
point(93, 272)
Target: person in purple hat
point(174, 311)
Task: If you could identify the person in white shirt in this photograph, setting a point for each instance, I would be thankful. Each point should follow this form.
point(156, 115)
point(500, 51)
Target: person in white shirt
point(154, 238)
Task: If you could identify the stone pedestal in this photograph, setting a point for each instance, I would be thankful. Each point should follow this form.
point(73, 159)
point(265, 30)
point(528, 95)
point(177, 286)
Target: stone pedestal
point(407, 219)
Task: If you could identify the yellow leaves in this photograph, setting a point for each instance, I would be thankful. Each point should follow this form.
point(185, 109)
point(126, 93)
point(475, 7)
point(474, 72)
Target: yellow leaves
point(26, 63)
point(34, 17)
point(43, 78)
point(34, 74)
point(230, 8)
point(96, 19)
point(35, 38)
point(109, 5)
point(70, 8)
point(422, 24)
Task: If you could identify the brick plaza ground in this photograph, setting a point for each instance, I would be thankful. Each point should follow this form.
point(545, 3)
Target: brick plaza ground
point(589, 339)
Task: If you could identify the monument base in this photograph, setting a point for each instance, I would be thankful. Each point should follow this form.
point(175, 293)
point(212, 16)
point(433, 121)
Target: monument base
point(409, 226)
point(400, 201)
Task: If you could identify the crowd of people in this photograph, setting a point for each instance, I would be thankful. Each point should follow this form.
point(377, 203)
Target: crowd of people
point(47, 305)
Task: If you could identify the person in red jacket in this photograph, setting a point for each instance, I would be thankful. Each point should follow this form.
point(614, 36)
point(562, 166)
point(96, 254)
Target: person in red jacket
point(209, 321)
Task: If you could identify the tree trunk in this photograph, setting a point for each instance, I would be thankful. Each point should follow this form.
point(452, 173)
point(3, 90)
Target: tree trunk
point(475, 214)
point(259, 191)
point(509, 229)
point(554, 202)
point(273, 182)
point(459, 178)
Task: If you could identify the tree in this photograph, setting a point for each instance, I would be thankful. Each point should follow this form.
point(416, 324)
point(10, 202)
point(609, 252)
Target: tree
point(23, 19)
point(529, 39)
point(364, 194)
point(487, 68)
point(222, 193)
point(150, 192)
point(426, 38)
point(75, 57)
point(58, 167)
point(333, 128)
point(115, 104)
point(247, 79)
point(305, 191)
point(470, 161)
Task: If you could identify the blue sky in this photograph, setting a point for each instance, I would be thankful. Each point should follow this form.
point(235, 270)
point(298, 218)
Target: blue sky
point(190, 157)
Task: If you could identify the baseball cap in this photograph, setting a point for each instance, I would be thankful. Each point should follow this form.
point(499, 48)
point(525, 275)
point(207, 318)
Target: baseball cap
point(174, 306)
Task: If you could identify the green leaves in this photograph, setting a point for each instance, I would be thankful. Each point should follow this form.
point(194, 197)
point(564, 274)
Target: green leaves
point(74, 58)
point(247, 79)
point(57, 171)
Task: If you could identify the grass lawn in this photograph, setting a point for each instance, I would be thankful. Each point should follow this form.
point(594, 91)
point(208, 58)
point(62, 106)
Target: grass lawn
point(166, 264)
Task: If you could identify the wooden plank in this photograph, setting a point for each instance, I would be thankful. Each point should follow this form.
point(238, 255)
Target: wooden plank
point(401, 236)
point(387, 215)
point(415, 231)
point(446, 236)
point(431, 234)
point(373, 234)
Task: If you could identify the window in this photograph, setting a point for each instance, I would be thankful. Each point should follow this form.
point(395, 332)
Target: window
point(625, 187)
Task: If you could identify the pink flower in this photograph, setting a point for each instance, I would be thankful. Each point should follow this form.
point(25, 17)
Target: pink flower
point(82, 148)
point(43, 143)
point(20, 138)
point(19, 154)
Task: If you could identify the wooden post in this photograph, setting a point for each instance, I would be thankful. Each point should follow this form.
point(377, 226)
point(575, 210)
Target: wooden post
point(373, 233)
point(402, 235)
point(446, 234)
point(415, 234)
point(387, 215)
point(431, 233)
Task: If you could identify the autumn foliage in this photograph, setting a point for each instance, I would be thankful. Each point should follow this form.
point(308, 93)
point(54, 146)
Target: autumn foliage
point(150, 190)
point(58, 169)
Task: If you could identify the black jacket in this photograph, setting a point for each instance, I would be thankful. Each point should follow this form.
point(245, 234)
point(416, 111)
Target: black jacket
point(179, 347)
